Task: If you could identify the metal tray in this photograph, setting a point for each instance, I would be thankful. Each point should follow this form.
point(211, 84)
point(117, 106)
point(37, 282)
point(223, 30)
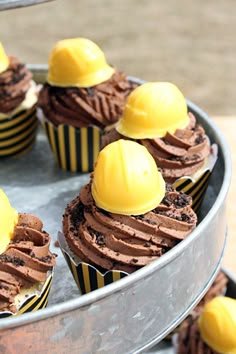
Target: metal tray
point(130, 315)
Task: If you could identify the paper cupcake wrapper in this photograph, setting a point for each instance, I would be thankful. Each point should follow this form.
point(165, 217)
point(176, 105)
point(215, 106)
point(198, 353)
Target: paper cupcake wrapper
point(86, 276)
point(75, 149)
point(18, 132)
point(196, 186)
point(33, 302)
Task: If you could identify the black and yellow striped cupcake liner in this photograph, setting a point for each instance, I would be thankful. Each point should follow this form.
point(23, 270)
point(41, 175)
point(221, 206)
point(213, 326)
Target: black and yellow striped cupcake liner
point(196, 187)
point(18, 133)
point(75, 149)
point(33, 302)
point(86, 276)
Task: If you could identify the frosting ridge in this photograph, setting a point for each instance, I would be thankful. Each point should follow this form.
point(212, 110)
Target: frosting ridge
point(180, 154)
point(98, 105)
point(26, 260)
point(14, 84)
point(121, 242)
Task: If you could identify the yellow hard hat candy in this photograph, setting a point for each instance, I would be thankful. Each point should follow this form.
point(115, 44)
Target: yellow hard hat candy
point(8, 221)
point(4, 60)
point(217, 324)
point(126, 179)
point(77, 62)
point(152, 110)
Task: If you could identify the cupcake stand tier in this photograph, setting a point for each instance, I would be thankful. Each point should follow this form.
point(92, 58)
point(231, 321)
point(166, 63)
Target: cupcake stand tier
point(136, 312)
point(12, 4)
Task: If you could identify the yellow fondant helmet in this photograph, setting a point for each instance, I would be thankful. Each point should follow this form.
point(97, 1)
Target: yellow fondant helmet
point(126, 179)
point(217, 324)
point(8, 221)
point(4, 61)
point(152, 110)
point(77, 62)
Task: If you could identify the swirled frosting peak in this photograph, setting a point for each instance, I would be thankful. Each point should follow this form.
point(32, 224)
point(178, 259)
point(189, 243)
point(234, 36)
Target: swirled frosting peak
point(15, 82)
point(126, 179)
point(152, 110)
point(26, 260)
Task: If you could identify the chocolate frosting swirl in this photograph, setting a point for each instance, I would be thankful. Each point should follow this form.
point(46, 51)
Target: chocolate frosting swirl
point(99, 105)
point(217, 288)
point(189, 341)
point(26, 260)
point(180, 154)
point(14, 84)
point(120, 242)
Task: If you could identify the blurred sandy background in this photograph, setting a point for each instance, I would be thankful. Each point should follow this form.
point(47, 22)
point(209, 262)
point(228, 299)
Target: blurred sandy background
point(191, 43)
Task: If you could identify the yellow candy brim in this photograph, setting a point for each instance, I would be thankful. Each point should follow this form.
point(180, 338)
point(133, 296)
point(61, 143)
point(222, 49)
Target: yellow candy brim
point(83, 81)
point(135, 133)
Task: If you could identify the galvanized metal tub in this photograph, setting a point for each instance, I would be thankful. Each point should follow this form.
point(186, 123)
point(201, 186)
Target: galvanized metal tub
point(136, 312)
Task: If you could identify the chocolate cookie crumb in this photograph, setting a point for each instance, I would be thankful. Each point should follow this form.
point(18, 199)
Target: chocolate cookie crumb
point(147, 244)
point(5, 258)
point(77, 215)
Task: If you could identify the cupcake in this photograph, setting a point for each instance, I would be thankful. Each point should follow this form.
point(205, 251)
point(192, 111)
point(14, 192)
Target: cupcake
point(213, 332)
point(83, 94)
point(156, 116)
point(18, 97)
point(26, 263)
point(123, 219)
